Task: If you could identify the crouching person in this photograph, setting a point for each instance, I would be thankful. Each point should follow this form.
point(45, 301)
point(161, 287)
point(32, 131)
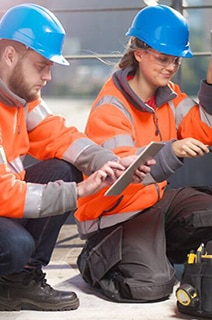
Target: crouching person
point(135, 238)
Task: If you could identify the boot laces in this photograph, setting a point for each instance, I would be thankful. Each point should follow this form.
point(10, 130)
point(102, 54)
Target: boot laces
point(38, 276)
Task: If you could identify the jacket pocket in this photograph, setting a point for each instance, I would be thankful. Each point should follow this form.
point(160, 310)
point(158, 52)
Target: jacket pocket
point(198, 219)
point(202, 218)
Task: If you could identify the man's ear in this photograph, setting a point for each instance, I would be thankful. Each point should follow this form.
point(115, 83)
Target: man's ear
point(10, 55)
point(138, 54)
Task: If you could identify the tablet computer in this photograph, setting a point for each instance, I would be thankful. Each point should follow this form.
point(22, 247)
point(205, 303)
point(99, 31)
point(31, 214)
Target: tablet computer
point(122, 182)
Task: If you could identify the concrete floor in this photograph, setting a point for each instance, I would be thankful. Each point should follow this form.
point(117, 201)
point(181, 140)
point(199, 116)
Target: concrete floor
point(62, 273)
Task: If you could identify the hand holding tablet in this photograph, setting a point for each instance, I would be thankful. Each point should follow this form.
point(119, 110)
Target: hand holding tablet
point(122, 182)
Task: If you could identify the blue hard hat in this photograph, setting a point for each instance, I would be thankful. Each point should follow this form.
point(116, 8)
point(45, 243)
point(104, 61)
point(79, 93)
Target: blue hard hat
point(163, 29)
point(37, 28)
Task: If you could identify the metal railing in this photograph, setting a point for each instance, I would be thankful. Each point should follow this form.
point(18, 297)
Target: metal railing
point(176, 4)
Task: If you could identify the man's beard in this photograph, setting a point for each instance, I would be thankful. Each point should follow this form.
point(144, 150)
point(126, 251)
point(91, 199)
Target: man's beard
point(18, 85)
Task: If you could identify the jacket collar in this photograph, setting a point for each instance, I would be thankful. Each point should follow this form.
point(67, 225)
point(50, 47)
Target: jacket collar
point(9, 98)
point(163, 94)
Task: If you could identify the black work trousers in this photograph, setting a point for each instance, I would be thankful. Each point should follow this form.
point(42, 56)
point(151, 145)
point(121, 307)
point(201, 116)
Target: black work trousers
point(133, 261)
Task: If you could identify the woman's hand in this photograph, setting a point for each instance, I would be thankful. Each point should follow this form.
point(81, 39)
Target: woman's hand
point(141, 172)
point(189, 148)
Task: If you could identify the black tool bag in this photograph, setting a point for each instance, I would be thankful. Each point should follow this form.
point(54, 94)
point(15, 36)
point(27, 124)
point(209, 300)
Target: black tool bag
point(194, 295)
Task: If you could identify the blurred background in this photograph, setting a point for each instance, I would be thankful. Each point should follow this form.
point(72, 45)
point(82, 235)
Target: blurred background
point(95, 40)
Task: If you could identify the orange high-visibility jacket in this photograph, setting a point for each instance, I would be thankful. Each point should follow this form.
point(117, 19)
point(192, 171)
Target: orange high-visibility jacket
point(32, 129)
point(121, 122)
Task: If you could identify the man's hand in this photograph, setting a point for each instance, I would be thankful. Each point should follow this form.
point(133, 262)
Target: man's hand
point(99, 179)
point(189, 148)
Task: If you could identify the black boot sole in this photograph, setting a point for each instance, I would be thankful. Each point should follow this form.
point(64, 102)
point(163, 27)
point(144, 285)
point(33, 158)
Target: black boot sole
point(29, 305)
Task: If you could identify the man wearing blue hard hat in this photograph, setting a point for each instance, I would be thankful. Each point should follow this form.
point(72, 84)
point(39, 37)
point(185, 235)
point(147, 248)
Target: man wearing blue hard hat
point(36, 201)
point(152, 227)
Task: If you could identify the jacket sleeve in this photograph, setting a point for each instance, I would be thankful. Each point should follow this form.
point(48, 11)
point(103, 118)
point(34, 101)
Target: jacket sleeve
point(205, 96)
point(166, 163)
point(196, 120)
point(51, 138)
point(32, 200)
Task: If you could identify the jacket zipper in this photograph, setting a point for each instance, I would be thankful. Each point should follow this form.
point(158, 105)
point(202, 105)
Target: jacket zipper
point(157, 130)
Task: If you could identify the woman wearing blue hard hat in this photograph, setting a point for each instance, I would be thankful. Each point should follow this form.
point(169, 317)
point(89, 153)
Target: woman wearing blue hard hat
point(150, 226)
point(163, 29)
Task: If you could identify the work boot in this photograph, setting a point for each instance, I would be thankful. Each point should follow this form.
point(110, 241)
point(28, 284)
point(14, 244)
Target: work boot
point(29, 290)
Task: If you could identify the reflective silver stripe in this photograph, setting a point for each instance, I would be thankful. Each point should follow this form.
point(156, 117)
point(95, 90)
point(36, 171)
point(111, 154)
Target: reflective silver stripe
point(37, 115)
point(205, 117)
point(116, 103)
point(16, 165)
point(2, 156)
point(182, 109)
point(171, 104)
point(85, 228)
point(118, 141)
point(33, 200)
point(76, 148)
point(26, 110)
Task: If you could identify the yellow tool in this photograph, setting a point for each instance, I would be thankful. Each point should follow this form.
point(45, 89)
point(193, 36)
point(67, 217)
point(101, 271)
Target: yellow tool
point(199, 256)
point(199, 253)
point(191, 257)
point(187, 295)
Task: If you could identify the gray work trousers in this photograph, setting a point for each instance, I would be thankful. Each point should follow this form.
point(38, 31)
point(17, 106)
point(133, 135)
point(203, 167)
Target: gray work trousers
point(133, 261)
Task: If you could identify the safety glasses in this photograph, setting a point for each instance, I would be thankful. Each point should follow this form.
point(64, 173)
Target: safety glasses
point(165, 60)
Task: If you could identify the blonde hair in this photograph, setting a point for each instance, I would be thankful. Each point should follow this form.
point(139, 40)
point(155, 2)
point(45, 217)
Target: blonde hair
point(128, 58)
